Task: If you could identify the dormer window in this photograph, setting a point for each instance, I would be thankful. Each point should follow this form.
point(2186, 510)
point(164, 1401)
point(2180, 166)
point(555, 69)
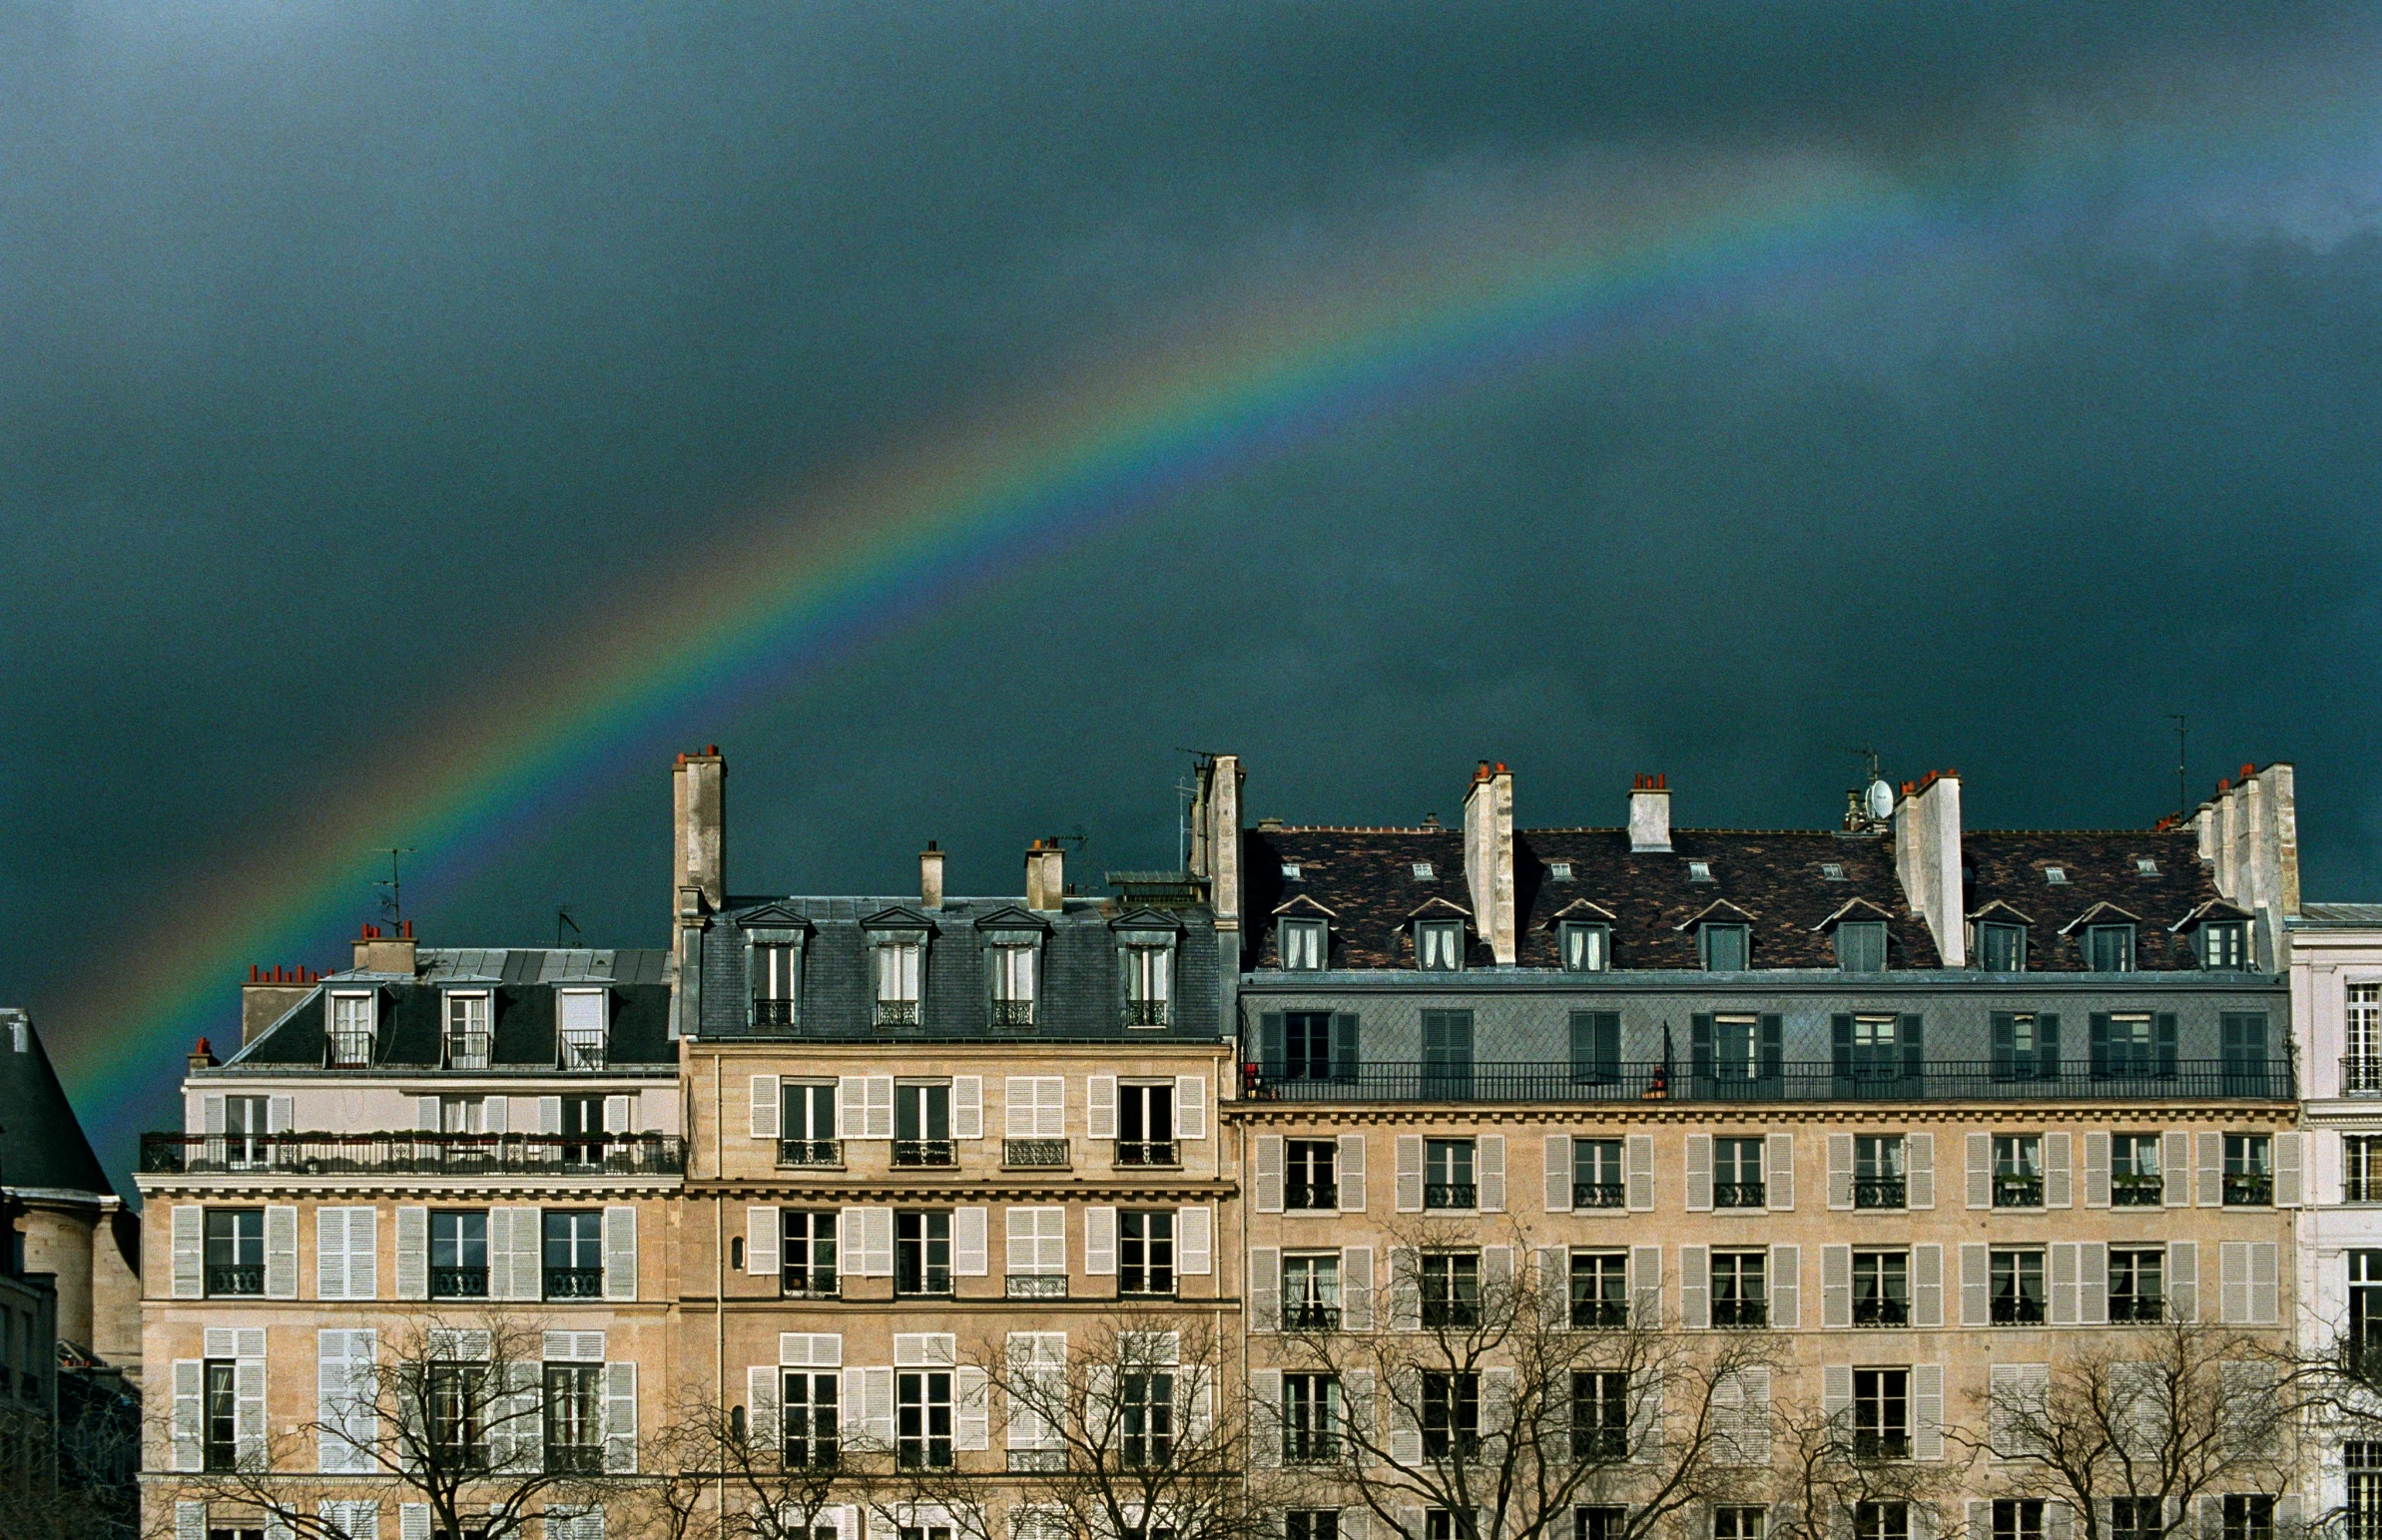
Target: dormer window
point(1586, 947)
point(777, 982)
point(467, 1029)
point(352, 1021)
point(1011, 963)
point(1423, 871)
point(1558, 871)
point(1831, 871)
point(2224, 944)
point(1149, 982)
point(2000, 947)
point(2108, 948)
point(901, 964)
point(1860, 946)
point(1290, 871)
point(2145, 866)
point(1438, 945)
point(1699, 871)
point(582, 1013)
point(2056, 876)
point(1301, 943)
point(1722, 947)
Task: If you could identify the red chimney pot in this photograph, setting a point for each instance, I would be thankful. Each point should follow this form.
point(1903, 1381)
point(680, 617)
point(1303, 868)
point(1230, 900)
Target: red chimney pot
point(2248, 770)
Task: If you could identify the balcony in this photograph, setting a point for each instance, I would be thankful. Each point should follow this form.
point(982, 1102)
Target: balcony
point(1307, 1446)
point(1736, 1195)
point(2018, 1192)
point(2361, 1075)
point(809, 1152)
point(1802, 1081)
point(2018, 1311)
point(575, 1459)
point(773, 1013)
point(2252, 1190)
point(1869, 1444)
point(1310, 1195)
point(1037, 1285)
point(411, 1154)
point(1881, 1313)
point(1880, 1193)
point(1034, 1153)
point(1037, 1462)
point(1145, 1013)
point(926, 1151)
point(459, 1282)
point(1310, 1316)
point(1599, 1315)
point(1012, 1016)
point(1450, 1195)
point(2133, 1191)
point(800, 1283)
point(1593, 1440)
point(1597, 1194)
point(896, 1013)
point(225, 1282)
point(1451, 1312)
point(1740, 1314)
point(2138, 1310)
point(574, 1282)
point(1148, 1151)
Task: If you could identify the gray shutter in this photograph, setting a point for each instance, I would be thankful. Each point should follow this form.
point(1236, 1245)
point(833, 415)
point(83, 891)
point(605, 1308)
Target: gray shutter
point(1786, 1286)
point(2174, 1168)
point(1409, 1173)
point(1554, 1291)
point(1268, 1173)
point(1350, 1174)
point(1778, 1172)
point(413, 1252)
point(764, 1231)
point(1976, 1284)
point(1695, 1287)
point(2096, 1170)
point(1926, 1411)
point(1343, 1045)
point(2212, 1171)
point(1265, 1419)
point(2265, 1283)
point(2184, 1280)
point(1559, 1173)
point(1981, 1170)
point(1699, 1173)
point(1638, 1171)
point(1919, 1166)
point(1646, 1286)
point(1406, 1291)
point(2288, 1177)
point(2058, 1171)
point(2064, 1264)
point(2232, 1278)
point(1840, 1171)
point(1836, 1285)
point(1927, 1286)
point(1356, 1287)
point(2093, 1284)
point(190, 1251)
point(620, 1252)
point(620, 1418)
point(1265, 1288)
point(280, 1252)
point(1493, 1173)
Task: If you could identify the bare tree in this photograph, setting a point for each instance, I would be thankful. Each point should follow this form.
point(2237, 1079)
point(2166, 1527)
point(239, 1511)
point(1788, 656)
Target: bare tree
point(779, 1475)
point(1825, 1468)
point(1495, 1394)
point(2152, 1419)
point(465, 1413)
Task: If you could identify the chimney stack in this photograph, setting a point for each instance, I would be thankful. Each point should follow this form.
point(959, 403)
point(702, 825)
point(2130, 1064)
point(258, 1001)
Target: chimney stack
point(1046, 875)
point(1927, 860)
point(2250, 832)
point(1488, 860)
point(698, 851)
point(1649, 814)
point(202, 1057)
point(389, 953)
point(269, 995)
point(931, 876)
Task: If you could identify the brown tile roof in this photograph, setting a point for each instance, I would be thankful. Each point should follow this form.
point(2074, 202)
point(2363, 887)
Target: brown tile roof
point(2101, 866)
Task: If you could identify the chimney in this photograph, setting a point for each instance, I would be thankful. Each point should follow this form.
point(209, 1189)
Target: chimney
point(699, 851)
point(1216, 837)
point(202, 1055)
point(267, 996)
point(1926, 859)
point(1649, 814)
point(2250, 832)
point(930, 877)
point(1046, 875)
point(392, 952)
point(1489, 858)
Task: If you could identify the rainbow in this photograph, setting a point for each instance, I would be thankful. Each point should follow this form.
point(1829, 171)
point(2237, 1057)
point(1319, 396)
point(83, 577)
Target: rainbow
point(807, 578)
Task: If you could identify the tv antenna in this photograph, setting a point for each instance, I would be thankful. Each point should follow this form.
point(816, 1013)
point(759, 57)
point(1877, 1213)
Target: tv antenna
point(393, 900)
point(562, 920)
point(2182, 723)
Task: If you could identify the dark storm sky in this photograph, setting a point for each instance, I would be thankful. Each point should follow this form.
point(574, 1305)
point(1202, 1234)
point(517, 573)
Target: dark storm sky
point(350, 356)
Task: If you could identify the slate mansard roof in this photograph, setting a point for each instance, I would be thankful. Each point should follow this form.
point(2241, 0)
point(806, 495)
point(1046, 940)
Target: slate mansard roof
point(1079, 990)
point(42, 1146)
point(523, 982)
point(1787, 887)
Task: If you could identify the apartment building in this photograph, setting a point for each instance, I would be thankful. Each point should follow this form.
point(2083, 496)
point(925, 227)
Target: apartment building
point(487, 1139)
point(1938, 1106)
point(927, 1130)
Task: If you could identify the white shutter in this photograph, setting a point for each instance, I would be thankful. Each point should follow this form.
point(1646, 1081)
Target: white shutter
point(1976, 1284)
point(877, 1405)
point(189, 1389)
point(1840, 1171)
point(1265, 1419)
point(1778, 1173)
point(2265, 1283)
point(880, 1107)
point(1786, 1287)
point(619, 1114)
point(2093, 1284)
point(500, 1254)
point(1919, 1171)
point(1638, 1171)
point(968, 1106)
point(1926, 1411)
point(190, 1251)
point(1100, 1106)
point(1406, 1430)
point(2212, 1171)
point(1559, 1173)
point(1190, 1107)
point(1696, 1285)
point(1194, 1240)
point(973, 1389)
point(852, 1106)
point(2288, 1174)
point(2174, 1168)
point(1265, 1288)
point(1099, 1240)
point(851, 1243)
point(190, 1521)
point(526, 1246)
point(760, 1405)
point(498, 1110)
point(1406, 1291)
point(364, 1253)
point(331, 1254)
point(971, 1245)
point(2096, 1170)
point(620, 1418)
point(1699, 1173)
point(426, 1114)
point(1268, 1173)
point(1356, 1288)
point(2064, 1266)
point(247, 1411)
point(620, 1252)
point(877, 1233)
point(413, 1521)
point(1555, 1290)
point(550, 1114)
point(1409, 1173)
point(1496, 1281)
point(766, 1106)
point(2232, 1276)
point(1836, 1285)
point(280, 1112)
point(1836, 1391)
point(1645, 1285)
point(280, 1251)
point(413, 1252)
point(764, 1226)
point(1927, 1286)
point(1492, 1174)
point(2058, 1171)
point(1350, 1174)
point(1981, 1170)
point(2184, 1280)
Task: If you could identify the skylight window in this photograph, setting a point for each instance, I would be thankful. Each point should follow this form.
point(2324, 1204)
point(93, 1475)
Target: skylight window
point(1290, 871)
point(1423, 871)
point(1558, 871)
point(2145, 866)
point(1699, 871)
point(2054, 874)
point(1831, 871)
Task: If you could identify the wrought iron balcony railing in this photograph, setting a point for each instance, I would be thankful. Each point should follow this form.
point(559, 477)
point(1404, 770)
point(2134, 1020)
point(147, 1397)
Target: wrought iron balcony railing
point(1451, 1312)
point(1597, 1194)
point(896, 1013)
point(459, 1282)
point(1450, 1195)
point(2249, 1190)
point(1013, 1015)
point(1599, 1315)
point(1873, 1445)
point(809, 1152)
point(1145, 1013)
point(2018, 1192)
point(1880, 1193)
point(1148, 1151)
point(1881, 1311)
point(926, 1151)
point(574, 1282)
point(773, 1013)
point(575, 1459)
point(1037, 1285)
point(2138, 1310)
point(2361, 1075)
point(1801, 1081)
point(802, 1282)
point(1740, 1314)
point(1040, 1154)
point(1310, 1195)
point(410, 1154)
point(2018, 1311)
point(227, 1280)
point(1737, 1194)
point(1310, 1316)
point(1598, 1441)
point(2131, 1190)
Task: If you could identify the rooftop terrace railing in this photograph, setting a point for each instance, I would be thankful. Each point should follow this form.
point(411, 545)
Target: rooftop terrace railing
point(1823, 1081)
point(407, 1154)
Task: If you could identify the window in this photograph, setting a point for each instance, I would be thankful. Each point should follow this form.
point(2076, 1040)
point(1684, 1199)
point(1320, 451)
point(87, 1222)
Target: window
point(2364, 1462)
point(2137, 1285)
point(1880, 1288)
point(1738, 1522)
point(2361, 1168)
point(1596, 1174)
point(582, 1129)
point(575, 1419)
point(2241, 1037)
point(1310, 1419)
point(809, 1427)
point(1438, 945)
point(2249, 1516)
point(2001, 948)
point(222, 1410)
point(1599, 1288)
point(1145, 1403)
point(1451, 1289)
point(1311, 1292)
point(1012, 966)
point(1145, 1252)
point(807, 1124)
point(1735, 1052)
point(582, 1013)
point(467, 1030)
point(2018, 1170)
point(1558, 871)
point(462, 1114)
point(1301, 943)
point(2134, 1519)
point(922, 1251)
point(1831, 871)
point(1308, 1182)
point(1605, 1521)
point(1860, 946)
point(1878, 1177)
point(1290, 871)
point(2364, 1345)
point(2249, 1170)
point(1599, 1414)
point(458, 1399)
point(922, 1420)
point(1145, 1124)
point(1738, 1298)
point(1451, 1416)
point(1037, 1255)
point(235, 1252)
point(774, 986)
point(2224, 944)
point(1880, 1521)
point(458, 1254)
point(1737, 1174)
point(2135, 1179)
point(350, 1031)
point(900, 961)
point(574, 1253)
point(1306, 1046)
point(1311, 1524)
point(1150, 984)
point(2361, 1071)
point(2128, 1043)
point(1448, 1174)
point(806, 1253)
point(1586, 947)
point(2055, 875)
point(1722, 947)
point(1424, 871)
point(1699, 871)
point(2026, 1046)
point(1596, 1047)
point(922, 1125)
point(1448, 1524)
point(1882, 1414)
point(1875, 1048)
point(2021, 1518)
point(2108, 948)
point(245, 1125)
point(2017, 1288)
point(1448, 1054)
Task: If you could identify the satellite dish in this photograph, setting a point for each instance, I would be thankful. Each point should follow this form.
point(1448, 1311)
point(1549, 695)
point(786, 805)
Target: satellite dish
point(1881, 800)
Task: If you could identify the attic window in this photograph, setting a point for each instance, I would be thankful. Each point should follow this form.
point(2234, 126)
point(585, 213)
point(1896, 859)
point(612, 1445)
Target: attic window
point(1423, 871)
point(351, 1023)
point(1290, 871)
point(2054, 874)
point(582, 1015)
point(1438, 945)
point(2145, 866)
point(1699, 871)
point(1558, 871)
point(1831, 871)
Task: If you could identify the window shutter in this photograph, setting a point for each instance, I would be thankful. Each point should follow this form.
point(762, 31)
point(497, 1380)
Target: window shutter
point(1350, 1174)
point(2212, 1171)
point(620, 1418)
point(1406, 1291)
point(1919, 1171)
point(1646, 1286)
point(1099, 1240)
point(1914, 1055)
point(1976, 1284)
point(1190, 1107)
point(500, 1255)
point(1268, 1173)
point(1836, 1287)
point(968, 1106)
point(1405, 1432)
point(1840, 1171)
point(1493, 1173)
point(1778, 1172)
point(1271, 1058)
point(1195, 1229)
point(2065, 1267)
point(2046, 1045)
point(1018, 1100)
point(1926, 1411)
point(880, 1120)
point(763, 1230)
point(210, 1115)
point(426, 1114)
point(413, 1252)
point(331, 1254)
point(2096, 1024)
point(1700, 1046)
point(281, 1252)
point(1840, 1038)
point(1773, 1046)
point(1343, 1045)
point(1927, 1286)
point(1559, 1173)
point(620, 1252)
point(1638, 1153)
point(761, 1404)
point(1100, 1106)
point(549, 1114)
point(2174, 1168)
point(2093, 1284)
point(1645, 1414)
point(529, 1253)
point(413, 1521)
point(851, 1107)
point(1695, 1287)
point(1836, 1392)
point(972, 1244)
point(2184, 1280)
point(190, 1251)
point(876, 1403)
point(190, 1521)
point(1409, 1173)
point(280, 1112)
point(1554, 1291)
point(1786, 1286)
point(1265, 1288)
point(2288, 1161)
point(764, 1106)
point(851, 1243)
point(620, 1116)
point(1497, 1283)
point(1265, 1419)
point(1699, 1173)
point(876, 1231)
point(247, 1411)
point(1356, 1290)
point(2164, 1035)
point(2096, 1170)
point(1981, 1170)
point(2058, 1171)
point(2265, 1283)
point(189, 1385)
point(973, 1389)
point(363, 1253)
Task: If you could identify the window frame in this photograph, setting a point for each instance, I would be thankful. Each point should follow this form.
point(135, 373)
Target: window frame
point(1866, 932)
point(1709, 933)
point(1315, 943)
point(1585, 946)
point(450, 1031)
point(1987, 931)
point(1438, 945)
point(572, 1045)
point(2119, 933)
point(335, 1033)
